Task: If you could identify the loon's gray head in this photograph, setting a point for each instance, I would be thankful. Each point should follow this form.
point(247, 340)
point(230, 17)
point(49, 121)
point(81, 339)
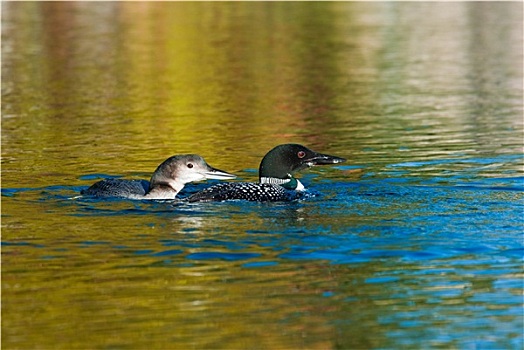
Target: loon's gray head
point(171, 176)
point(281, 162)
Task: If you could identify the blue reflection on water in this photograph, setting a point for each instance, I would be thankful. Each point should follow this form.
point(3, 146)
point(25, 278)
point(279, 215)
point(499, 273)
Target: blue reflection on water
point(502, 159)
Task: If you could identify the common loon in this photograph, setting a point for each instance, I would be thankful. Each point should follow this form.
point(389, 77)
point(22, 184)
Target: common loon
point(168, 179)
point(275, 180)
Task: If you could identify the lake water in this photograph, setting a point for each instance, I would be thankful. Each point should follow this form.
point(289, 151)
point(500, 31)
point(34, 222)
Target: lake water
point(415, 242)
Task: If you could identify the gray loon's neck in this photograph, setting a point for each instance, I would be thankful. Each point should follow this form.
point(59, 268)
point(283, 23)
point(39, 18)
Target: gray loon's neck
point(164, 190)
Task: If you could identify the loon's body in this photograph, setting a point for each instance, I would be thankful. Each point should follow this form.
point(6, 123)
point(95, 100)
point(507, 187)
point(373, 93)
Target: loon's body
point(250, 191)
point(168, 179)
point(276, 182)
point(135, 189)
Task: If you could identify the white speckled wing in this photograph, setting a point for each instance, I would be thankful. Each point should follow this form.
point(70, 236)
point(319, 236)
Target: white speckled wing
point(241, 190)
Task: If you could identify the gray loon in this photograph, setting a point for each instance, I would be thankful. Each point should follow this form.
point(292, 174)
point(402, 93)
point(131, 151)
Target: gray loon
point(275, 180)
point(168, 179)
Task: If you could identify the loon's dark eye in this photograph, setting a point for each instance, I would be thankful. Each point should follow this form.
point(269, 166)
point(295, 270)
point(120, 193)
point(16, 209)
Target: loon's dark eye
point(301, 154)
point(189, 165)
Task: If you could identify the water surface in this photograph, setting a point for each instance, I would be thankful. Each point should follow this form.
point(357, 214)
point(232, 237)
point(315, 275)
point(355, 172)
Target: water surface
point(414, 242)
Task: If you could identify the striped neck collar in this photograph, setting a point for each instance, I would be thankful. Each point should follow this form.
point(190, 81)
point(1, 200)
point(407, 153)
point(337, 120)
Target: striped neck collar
point(290, 183)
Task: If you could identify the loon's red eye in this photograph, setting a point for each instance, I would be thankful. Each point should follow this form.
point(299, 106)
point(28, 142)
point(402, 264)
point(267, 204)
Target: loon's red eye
point(189, 165)
point(301, 154)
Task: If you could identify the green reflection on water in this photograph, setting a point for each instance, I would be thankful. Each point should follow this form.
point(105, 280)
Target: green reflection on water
point(168, 78)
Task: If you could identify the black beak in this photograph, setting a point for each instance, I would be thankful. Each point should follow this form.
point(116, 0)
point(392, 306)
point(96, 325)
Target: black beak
point(323, 159)
point(315, 158)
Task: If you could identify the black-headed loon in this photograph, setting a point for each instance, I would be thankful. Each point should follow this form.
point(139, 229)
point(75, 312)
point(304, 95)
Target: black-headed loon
point(276, 182)
point(168, 179)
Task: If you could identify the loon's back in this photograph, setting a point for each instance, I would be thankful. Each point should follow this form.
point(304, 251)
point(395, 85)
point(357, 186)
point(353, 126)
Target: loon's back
point(258, 192)
point(118, 188)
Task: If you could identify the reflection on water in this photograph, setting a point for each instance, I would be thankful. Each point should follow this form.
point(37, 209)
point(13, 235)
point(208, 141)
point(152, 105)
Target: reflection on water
point(414, 242)
point(316, 273)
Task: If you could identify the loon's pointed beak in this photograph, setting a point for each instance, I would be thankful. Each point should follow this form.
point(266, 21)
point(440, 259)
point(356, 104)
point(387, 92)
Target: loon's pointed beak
point(213, 173)
point(322, 159)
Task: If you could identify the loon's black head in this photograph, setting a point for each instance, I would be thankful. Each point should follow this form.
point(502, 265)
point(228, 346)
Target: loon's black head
point(278, 164)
